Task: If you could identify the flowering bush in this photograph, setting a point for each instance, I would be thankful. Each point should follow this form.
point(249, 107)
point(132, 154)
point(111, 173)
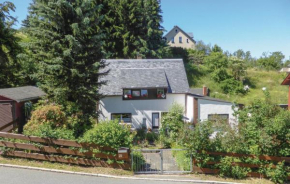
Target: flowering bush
point(49, 121)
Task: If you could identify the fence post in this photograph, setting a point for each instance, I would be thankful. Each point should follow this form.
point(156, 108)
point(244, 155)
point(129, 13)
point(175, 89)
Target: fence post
point(191, 163)
point(132, 161)
point(161, 161)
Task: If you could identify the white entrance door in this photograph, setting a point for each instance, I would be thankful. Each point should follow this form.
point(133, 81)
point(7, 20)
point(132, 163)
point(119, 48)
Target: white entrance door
point(155, 120)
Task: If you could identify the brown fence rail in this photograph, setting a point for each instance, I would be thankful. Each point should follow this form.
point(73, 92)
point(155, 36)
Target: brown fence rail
point(273, 159)
point(60, 150)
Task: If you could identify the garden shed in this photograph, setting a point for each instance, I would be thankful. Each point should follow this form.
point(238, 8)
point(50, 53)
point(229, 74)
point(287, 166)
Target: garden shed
point(12, 102)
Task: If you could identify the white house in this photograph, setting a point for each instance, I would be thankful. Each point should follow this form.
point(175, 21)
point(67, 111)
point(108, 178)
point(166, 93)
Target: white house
point(176, 37)
point(139, 91)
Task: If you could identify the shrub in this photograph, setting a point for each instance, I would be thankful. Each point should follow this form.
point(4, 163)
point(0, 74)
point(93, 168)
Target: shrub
point(49, 121)
point(171, 124)
point(229, 170)
point(278, 174)
point(109, 133)
point(232, 86)
point(151, 137)
point(140, 135)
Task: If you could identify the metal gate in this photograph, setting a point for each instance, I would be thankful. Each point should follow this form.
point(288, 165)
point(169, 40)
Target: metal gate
point(161, 161)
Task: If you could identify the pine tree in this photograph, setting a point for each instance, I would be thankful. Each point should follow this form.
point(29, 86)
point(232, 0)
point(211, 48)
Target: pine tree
point(132, 27)
point(9, 47)
point(67, 43)
point(154, 30)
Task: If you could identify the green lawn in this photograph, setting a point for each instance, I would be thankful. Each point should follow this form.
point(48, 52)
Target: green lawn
point(258, 79)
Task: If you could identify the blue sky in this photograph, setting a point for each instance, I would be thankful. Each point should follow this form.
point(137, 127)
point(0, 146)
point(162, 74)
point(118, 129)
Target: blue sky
point(255, 25)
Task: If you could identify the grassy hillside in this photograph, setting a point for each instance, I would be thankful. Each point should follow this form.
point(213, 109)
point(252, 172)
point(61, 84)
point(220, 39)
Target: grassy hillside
point(257, 80)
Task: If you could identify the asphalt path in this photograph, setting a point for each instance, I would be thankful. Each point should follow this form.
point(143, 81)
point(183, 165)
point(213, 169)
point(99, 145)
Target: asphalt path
point(26, 176)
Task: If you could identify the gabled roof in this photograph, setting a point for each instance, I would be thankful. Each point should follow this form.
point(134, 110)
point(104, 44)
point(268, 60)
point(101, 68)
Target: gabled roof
point(144, 73)
point(22, 94)
point(190, 36)
point(286, 80)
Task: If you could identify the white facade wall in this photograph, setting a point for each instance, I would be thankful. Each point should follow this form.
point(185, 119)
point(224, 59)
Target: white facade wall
point(138, 108)
point(189, 108)
point(206, 107)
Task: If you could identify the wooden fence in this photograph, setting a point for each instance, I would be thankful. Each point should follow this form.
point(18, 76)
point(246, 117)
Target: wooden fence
point(272, 159)
point(64, 151)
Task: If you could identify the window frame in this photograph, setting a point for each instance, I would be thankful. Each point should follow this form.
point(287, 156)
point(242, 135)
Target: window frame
point(120, 120)
point(137, 90)
point(180, 39)
point(151, 92)
point(172, 40)
point(227, 120)
point(147, 94)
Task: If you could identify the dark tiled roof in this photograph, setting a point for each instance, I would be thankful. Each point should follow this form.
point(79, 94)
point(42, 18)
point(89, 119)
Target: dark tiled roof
point(197, 91)
point(210, 98)
point(144, 73)
point(21, 94)
point(143, 78)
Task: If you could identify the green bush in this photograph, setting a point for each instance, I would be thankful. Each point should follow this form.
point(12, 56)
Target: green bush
point(229, 170)
point(109, 133)
point(49, 121)
point(232, 86)
point(171, 125)
point(151, 137)
point(278, 174)
point(140, 135)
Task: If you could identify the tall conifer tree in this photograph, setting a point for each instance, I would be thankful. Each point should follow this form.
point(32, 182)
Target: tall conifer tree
point(132, 27)
point(9, 47)
point(67, 43)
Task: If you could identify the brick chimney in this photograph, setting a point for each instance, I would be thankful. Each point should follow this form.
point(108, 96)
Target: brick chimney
point(204, 91)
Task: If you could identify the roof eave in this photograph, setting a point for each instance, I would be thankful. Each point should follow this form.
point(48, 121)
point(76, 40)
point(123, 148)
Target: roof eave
point(286, 81)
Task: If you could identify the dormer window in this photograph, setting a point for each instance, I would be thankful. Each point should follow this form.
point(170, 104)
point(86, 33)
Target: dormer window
point(136, 93)
point(160, 93)
point(176, 30)
point(127, 94)
point(143, 94)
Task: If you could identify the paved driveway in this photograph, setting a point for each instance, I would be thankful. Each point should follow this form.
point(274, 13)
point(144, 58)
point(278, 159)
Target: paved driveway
point(25, 176)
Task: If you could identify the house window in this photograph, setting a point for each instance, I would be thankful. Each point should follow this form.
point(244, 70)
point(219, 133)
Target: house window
point(172, 40)
point(144, 93)
point(122, 117)
point(160, 93)
point(218, 117)
point(136, 93)
point(176, 30)
point(180, 39)
point(187, 40)
point(127, 94)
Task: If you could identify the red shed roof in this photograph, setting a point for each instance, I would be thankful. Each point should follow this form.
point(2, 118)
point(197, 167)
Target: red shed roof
point(286, 80)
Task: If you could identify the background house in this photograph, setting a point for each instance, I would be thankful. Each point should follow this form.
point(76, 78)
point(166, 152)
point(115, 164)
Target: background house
point(176, 37)
point(140, 91)
point(12, 101)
